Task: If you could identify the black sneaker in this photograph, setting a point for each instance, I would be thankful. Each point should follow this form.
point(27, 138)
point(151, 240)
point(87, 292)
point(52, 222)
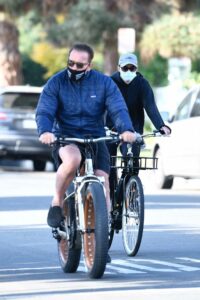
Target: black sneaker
point(108, 259)
point(55, 216)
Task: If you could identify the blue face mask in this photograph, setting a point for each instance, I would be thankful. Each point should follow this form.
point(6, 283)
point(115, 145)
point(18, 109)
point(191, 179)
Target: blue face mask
point(128, 76)
point(75, 74)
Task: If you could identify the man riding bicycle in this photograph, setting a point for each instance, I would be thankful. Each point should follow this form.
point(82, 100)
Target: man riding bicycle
point(73, 104)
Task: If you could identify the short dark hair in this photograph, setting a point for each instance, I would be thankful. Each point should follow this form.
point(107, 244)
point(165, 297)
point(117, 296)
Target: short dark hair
point(83, 47)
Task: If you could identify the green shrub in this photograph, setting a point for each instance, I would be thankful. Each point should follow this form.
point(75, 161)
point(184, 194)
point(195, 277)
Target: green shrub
point(33, 72)
point(156, 71)
point(172, 36)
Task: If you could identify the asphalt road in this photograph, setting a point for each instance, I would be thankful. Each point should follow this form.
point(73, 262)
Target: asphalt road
point(167, 265)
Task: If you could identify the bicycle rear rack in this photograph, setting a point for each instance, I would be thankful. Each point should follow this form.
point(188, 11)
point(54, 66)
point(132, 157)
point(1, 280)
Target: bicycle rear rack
point(134, 163)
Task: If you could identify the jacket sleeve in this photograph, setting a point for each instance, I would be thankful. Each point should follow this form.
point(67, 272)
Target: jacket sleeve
point(116, 107)
point(47, 107)
point(150, 105)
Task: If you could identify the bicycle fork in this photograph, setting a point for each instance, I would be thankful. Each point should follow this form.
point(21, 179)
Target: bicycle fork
point(82, 183)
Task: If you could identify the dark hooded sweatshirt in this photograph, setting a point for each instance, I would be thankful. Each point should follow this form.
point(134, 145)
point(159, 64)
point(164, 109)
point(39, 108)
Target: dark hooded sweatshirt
point(139, 97)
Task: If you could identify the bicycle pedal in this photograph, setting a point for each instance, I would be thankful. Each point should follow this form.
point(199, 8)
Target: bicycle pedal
point(56, 234)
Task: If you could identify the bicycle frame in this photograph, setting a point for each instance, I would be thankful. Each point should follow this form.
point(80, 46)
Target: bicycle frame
point(80, 183)
point(85, 213)
point(128, 197)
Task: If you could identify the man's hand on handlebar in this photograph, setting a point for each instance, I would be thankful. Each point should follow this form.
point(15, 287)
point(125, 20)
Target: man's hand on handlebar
point(47, 138)
point(128, 136)
point(165, 130)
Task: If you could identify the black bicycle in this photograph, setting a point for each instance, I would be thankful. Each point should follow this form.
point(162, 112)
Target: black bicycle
point(127, 197)
point(85, 224)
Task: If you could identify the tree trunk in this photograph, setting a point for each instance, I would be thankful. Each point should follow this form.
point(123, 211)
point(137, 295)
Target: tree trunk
point(110, 53)
point(10, 63)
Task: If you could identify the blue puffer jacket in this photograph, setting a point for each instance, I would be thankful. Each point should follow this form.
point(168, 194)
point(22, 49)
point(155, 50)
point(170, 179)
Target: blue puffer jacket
point(77, 109)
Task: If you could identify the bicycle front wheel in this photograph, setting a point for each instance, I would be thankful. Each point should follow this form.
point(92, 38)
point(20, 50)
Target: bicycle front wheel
point(133, 216)
point(95, 236)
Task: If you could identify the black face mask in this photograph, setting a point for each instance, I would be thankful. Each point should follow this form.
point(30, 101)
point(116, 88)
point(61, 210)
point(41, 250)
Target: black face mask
point(75, 74)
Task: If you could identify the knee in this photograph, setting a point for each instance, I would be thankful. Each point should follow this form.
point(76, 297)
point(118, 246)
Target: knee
point(71, 165)
point(71, 158)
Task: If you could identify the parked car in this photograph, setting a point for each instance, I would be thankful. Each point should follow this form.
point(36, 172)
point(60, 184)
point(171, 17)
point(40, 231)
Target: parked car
point(18, 133)
point(179, 154)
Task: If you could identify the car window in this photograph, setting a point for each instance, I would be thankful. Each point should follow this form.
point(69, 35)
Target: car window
point(24, 101)
point(196, 108)
point(183, 110)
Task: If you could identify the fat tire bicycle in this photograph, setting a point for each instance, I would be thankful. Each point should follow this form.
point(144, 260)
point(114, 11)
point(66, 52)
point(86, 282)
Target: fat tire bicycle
point(85, 225)
point(127, 197)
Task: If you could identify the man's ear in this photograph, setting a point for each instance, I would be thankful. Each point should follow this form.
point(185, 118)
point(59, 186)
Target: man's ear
point(90, 66)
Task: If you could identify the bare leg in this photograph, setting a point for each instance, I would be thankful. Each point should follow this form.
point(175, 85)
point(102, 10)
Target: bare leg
point(71, 158)
point(107, 188)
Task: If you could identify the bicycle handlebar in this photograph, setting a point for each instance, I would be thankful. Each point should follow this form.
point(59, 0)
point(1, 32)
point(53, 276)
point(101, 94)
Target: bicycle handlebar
point(155, 133)
point(112, 137)
point(140, 137)
point(88, 140)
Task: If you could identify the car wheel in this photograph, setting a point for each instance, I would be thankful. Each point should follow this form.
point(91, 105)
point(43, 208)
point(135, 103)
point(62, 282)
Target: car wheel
point(161, 180)
point(39, 165)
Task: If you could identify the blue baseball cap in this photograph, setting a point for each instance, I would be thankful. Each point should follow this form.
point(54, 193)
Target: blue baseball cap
point(128, 59)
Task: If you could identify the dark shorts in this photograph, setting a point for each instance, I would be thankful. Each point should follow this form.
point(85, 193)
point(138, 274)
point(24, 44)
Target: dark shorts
point(101, 159)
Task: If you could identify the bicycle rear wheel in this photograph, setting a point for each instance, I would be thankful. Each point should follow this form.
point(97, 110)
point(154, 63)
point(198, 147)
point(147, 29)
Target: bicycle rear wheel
point(95, 236)
point(69, 248)
point(133, 216)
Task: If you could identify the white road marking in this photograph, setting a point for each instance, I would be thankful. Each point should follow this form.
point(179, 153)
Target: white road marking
point(126, 266)
point(169, 264)
point(142, 267)
point(122, 270)
point(189, 259)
